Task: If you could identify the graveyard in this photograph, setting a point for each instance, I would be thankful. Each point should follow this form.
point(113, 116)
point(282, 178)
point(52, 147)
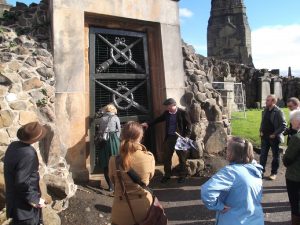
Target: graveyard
point(61, 70)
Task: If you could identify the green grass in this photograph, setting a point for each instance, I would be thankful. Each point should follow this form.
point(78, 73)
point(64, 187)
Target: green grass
point(249, 128)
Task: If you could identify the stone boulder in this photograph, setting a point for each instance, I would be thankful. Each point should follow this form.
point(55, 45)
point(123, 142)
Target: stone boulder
point(197, 152)
point(216, 138)
point(50, 217)
point(195, 166)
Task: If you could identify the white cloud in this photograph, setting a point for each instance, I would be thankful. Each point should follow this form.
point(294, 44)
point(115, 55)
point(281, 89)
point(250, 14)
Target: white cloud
point(185, 13)
point(277, 47)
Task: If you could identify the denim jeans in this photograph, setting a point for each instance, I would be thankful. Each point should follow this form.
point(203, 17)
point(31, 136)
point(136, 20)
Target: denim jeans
point(266, 144)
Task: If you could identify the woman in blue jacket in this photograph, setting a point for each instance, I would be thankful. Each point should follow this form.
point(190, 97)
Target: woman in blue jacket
point(235, 192)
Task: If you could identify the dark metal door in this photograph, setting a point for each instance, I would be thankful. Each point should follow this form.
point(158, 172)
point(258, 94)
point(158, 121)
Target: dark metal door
point(119, 74)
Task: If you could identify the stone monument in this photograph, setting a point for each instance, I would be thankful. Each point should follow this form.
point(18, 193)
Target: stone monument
point(265, 88)
point(228, 32)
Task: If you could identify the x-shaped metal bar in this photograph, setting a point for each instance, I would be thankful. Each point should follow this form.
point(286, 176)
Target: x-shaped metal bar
point(121, 53)
point(124, 96)
point(118, 100)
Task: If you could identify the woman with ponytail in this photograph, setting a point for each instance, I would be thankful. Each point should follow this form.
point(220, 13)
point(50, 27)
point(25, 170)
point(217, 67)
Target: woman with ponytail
point(133, 157)
point(235, 192)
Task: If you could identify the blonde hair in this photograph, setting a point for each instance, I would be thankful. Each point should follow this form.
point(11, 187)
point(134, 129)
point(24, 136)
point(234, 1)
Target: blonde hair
point(241, 150)
point(110, 108)
point(131, 133)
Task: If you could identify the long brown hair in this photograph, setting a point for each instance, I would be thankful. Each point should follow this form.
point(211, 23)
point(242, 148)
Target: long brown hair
point(130, 134)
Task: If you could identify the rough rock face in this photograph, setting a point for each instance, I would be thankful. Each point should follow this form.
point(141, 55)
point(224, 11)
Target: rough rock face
point(206, 109)
point(27, 94)
point(31, 20)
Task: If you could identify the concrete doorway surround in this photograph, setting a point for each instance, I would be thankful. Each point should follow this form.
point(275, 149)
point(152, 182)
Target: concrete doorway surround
point(71, 21)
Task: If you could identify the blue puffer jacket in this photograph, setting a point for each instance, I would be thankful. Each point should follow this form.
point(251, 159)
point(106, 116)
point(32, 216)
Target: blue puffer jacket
point(238, 186)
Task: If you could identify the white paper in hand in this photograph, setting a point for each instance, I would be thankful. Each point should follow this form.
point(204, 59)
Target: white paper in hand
point(184, 144)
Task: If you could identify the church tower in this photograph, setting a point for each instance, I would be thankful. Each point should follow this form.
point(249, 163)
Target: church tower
point(228, 32)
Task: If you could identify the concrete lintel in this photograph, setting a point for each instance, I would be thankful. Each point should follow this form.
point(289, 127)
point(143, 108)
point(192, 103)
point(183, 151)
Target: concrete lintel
point(162, 11)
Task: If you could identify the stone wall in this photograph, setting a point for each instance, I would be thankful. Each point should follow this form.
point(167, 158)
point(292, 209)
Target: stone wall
point(27, 93)
point(291, 87)
point(33, 20)
point(205, 105)
point(251, 78)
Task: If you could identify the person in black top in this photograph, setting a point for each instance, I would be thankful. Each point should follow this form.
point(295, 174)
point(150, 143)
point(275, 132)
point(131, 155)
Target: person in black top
point(21, 164)
point(177, 120)
point(292, 104)
point(273, 125)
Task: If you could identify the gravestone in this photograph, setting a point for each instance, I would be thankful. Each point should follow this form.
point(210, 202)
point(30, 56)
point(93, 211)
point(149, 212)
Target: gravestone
point(265, 89)
point(278, 88)
point(229, 87)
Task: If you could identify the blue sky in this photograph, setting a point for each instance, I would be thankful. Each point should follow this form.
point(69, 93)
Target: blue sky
point(275, 26)
point(13, 2)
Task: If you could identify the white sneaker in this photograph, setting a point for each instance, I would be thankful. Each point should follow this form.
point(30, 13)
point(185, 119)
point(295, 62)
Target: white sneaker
point(272, 177)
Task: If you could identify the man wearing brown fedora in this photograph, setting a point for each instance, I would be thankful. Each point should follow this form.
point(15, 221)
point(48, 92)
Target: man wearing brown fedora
point(23, 196)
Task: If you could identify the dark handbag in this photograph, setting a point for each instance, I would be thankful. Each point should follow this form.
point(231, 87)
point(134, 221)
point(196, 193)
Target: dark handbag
point(155, 214)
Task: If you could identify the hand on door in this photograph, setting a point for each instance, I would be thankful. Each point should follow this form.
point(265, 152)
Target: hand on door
point(145, 125)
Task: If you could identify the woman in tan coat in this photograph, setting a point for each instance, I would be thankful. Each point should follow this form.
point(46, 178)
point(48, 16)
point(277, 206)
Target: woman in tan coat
point(133, 156)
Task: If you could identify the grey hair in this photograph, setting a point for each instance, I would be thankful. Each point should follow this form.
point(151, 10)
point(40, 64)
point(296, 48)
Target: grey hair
point(241, 150)
point(295, 115)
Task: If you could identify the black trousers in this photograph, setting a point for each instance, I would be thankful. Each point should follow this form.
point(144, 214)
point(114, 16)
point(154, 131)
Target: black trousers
point(106, 176)
point(293, 189)
point(266, 144)
point(169, 148)
point(36, 220)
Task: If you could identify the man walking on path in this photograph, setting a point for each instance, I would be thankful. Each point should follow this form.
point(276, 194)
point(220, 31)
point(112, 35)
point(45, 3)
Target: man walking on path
point(292, 104)
point(21, 165)
point(273, 125)
point(177, 120)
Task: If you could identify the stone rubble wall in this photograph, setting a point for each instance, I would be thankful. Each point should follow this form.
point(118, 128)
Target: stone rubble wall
point(210, 125)
point(27, 93)
point(247, 75)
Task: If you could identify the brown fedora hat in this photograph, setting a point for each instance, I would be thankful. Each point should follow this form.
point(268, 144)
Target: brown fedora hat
point(31, 132)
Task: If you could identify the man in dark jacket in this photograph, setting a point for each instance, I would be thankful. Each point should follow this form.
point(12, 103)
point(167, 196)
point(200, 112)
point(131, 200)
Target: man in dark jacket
point(273, 125)
point(23, 197)
point(292, 104)
point(177, 120)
